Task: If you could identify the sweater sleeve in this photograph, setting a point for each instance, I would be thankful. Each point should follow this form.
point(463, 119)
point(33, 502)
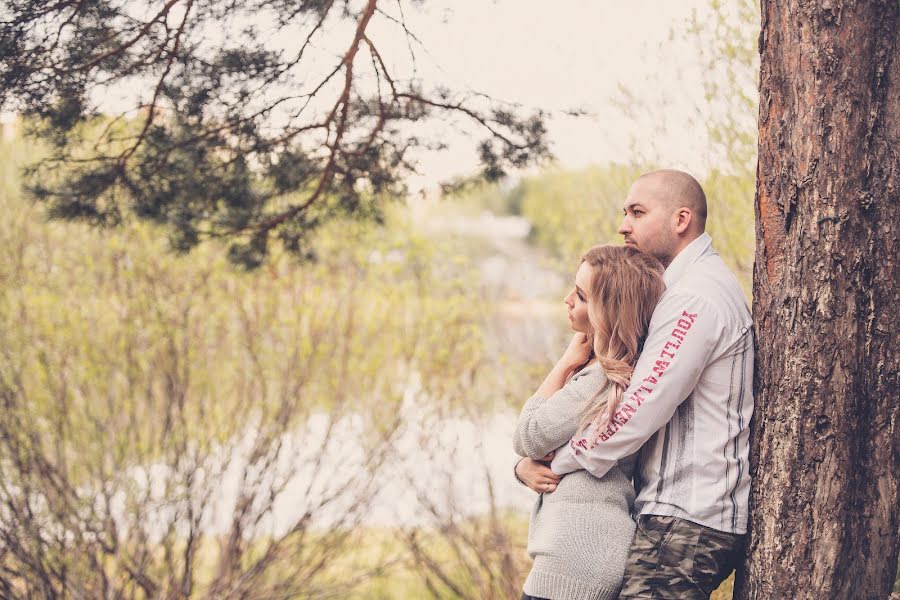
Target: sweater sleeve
point(684, 331)
point(545, 424)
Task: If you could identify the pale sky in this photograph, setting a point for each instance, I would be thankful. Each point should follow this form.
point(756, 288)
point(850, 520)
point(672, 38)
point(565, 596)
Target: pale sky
point(569, 54)
point(573, 55)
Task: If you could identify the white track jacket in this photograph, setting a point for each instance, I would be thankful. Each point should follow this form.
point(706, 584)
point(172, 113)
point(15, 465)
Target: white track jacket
point(689, 403)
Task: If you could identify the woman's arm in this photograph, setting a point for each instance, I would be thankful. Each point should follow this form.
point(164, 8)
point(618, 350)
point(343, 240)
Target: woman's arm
point(537, 426)
point(546, 423)
point(576, 354)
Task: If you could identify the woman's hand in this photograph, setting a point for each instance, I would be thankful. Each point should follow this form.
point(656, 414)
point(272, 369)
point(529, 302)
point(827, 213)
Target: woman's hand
point(537, 475)
point(578, 352)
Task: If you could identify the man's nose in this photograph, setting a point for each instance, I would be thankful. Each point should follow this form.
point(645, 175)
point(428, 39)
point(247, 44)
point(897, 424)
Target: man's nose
point(624, 227)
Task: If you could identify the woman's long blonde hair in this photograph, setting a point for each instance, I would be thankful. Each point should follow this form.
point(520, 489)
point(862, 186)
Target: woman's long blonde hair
point(625, 286)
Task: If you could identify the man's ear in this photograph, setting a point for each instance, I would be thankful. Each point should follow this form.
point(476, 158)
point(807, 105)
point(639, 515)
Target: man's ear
point(682, 218)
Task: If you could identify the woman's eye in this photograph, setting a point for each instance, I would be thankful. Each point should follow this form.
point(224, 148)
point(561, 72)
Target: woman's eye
point(580, 297)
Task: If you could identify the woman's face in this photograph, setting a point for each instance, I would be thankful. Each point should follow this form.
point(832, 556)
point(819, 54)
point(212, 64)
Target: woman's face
point(578, 298)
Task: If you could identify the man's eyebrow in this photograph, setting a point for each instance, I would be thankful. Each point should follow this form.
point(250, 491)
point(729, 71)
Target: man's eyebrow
point(634, 205)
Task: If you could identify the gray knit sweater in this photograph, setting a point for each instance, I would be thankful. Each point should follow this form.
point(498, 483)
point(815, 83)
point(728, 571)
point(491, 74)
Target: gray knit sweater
point(579, 534)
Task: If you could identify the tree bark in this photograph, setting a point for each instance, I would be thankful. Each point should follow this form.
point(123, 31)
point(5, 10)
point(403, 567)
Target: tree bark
point(825, 499)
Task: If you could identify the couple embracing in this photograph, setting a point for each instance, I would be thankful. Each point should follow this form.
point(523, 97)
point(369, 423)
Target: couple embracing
point(637, 441)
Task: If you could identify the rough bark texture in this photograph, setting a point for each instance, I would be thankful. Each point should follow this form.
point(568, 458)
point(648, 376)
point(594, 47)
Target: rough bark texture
point(826, 444)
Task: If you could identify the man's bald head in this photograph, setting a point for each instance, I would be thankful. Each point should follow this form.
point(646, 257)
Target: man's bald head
point(664, 212)
point(677, 189)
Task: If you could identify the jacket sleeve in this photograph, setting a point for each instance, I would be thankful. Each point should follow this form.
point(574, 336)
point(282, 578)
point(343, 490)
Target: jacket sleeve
point(682, 335)
point(545, 424)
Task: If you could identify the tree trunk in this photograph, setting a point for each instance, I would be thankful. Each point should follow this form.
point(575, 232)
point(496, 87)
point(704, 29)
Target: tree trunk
point(825, 500)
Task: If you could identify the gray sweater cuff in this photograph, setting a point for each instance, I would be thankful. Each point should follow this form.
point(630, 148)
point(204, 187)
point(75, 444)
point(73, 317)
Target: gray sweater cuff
point(550, 585)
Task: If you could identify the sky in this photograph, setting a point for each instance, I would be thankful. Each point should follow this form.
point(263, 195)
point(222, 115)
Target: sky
point(574, 55)
point(577, 54)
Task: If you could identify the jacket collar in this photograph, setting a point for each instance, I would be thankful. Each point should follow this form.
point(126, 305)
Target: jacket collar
point(686, 258)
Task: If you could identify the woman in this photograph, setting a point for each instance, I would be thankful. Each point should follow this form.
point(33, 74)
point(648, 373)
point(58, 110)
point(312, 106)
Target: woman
point(579, 535)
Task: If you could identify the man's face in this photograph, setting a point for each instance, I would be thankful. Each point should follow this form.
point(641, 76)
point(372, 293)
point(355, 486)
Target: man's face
point(648, 224)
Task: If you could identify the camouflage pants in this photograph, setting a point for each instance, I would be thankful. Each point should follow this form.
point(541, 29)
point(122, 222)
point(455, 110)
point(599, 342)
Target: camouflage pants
point(674, 558)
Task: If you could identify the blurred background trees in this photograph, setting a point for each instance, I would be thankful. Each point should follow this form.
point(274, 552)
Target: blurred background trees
point(256, 121)
point(333, 426)
point(175, 428)
point(172, 428)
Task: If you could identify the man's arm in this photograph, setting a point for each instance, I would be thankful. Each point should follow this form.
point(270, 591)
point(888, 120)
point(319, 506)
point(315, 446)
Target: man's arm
point(684, 331)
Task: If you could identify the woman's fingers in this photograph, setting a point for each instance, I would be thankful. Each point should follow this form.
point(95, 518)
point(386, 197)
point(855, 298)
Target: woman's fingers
point(537, 476)
point(547, 485)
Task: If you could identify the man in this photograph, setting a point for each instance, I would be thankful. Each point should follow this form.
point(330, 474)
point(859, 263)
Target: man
point(687, 409)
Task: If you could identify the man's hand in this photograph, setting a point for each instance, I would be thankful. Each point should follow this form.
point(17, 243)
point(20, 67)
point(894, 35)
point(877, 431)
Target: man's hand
point(537, 475)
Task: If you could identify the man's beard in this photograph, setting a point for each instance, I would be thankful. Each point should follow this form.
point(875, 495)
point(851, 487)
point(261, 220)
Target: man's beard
point(663, 250)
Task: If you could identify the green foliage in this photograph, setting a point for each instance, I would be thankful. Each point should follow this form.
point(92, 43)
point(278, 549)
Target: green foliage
point(126, 368)
point(96, 295)
point(119, 318)
point(897, 579)
point(474, 558)
point(570, 211)
point(404, 579)
point(730, 222)
point(724, 37)
point(119, 357)
point(244, 134)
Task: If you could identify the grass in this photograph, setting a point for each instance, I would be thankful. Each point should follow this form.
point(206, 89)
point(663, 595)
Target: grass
point(399, 580)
